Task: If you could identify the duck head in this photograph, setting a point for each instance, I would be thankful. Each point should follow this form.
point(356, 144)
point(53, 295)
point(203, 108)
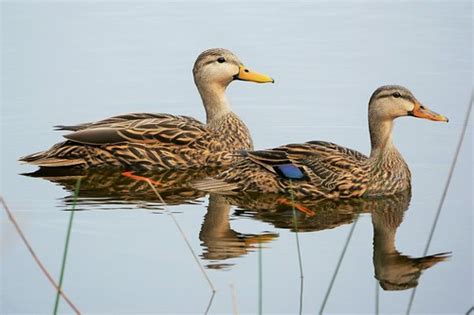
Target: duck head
point(392, 101)
point(213, 71)
point(220, 66)
point(388, 103)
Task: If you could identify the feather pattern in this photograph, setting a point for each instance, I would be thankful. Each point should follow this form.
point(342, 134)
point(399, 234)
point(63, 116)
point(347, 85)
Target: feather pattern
point(326, 170)
point(163, 141)
point(147, 141)
point(330, 171)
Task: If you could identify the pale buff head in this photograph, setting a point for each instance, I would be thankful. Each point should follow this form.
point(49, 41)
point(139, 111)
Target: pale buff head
point(392, 101)
point(216, 66)
point(388, 103)
point(213, 71)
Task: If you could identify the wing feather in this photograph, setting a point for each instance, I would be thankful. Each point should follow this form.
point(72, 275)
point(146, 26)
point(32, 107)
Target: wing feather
point(325, 164)
point(139, 128)
point(126, 118)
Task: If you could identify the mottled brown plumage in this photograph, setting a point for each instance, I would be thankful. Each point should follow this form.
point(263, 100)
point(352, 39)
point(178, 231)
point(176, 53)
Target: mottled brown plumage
point(324, 169)
point(163, 141)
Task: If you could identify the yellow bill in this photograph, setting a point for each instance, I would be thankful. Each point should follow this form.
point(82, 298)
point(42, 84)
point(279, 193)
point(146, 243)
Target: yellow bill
point(248, 75)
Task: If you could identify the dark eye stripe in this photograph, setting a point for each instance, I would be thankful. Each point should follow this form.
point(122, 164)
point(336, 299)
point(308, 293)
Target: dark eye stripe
point(208, 62)
point(406, 97)
point(384, 96)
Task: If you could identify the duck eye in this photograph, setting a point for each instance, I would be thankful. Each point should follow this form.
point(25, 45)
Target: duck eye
point(396, 94)
point(220, 59)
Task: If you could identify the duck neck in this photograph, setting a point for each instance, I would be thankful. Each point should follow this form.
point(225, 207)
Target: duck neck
point(387, 170)
point(380, 137)
point(214, 101)
point(384, 238)
point(216, 221)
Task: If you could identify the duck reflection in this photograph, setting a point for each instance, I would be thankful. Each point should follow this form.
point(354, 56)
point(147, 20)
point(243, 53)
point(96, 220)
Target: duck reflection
point(220, 242)
point(116, 187)
point(393, 270)
point(113, 189)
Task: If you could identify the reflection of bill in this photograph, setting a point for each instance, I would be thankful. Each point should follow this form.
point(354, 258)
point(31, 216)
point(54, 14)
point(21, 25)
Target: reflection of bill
point(393, 270)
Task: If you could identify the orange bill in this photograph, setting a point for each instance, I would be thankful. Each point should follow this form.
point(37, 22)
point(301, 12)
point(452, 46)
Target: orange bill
point(421, 111)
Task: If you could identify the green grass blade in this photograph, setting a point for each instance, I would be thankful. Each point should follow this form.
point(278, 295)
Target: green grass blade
point(66, 245)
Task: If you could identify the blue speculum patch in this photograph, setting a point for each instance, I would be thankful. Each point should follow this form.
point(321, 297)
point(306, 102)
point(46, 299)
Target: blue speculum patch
point(289, 171)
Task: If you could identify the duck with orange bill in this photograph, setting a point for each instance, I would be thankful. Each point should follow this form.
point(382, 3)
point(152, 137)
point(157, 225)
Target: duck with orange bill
point(327, 170)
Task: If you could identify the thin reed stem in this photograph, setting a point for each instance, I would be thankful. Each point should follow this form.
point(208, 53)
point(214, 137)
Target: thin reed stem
point(260, 279)
point(183, 236)
point(301, 295)
point(66, 245)
point(235, 310)
point(298, 248)
point(36, 258)
point(208, 307)
point(295, 223)
point(377, 292)
point(346, 245)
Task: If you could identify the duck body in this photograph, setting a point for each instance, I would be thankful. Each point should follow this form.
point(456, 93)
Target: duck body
point(163, 141)
point(148, 141)
point(315, 168)
point(327, 170)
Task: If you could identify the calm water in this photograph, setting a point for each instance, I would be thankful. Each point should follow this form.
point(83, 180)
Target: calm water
point(83, 61)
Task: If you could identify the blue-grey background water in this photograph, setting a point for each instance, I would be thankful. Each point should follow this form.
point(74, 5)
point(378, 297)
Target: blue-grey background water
point(67, 63)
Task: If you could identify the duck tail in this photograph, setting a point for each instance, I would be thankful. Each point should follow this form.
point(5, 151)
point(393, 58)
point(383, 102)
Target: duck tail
point(428, 261)
point(49, 158)
point(215, 186)
point(40, 159)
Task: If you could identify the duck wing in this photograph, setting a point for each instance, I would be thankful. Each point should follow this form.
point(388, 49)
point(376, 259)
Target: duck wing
point(139, 128)
point(324, 164)
point(119, 119)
